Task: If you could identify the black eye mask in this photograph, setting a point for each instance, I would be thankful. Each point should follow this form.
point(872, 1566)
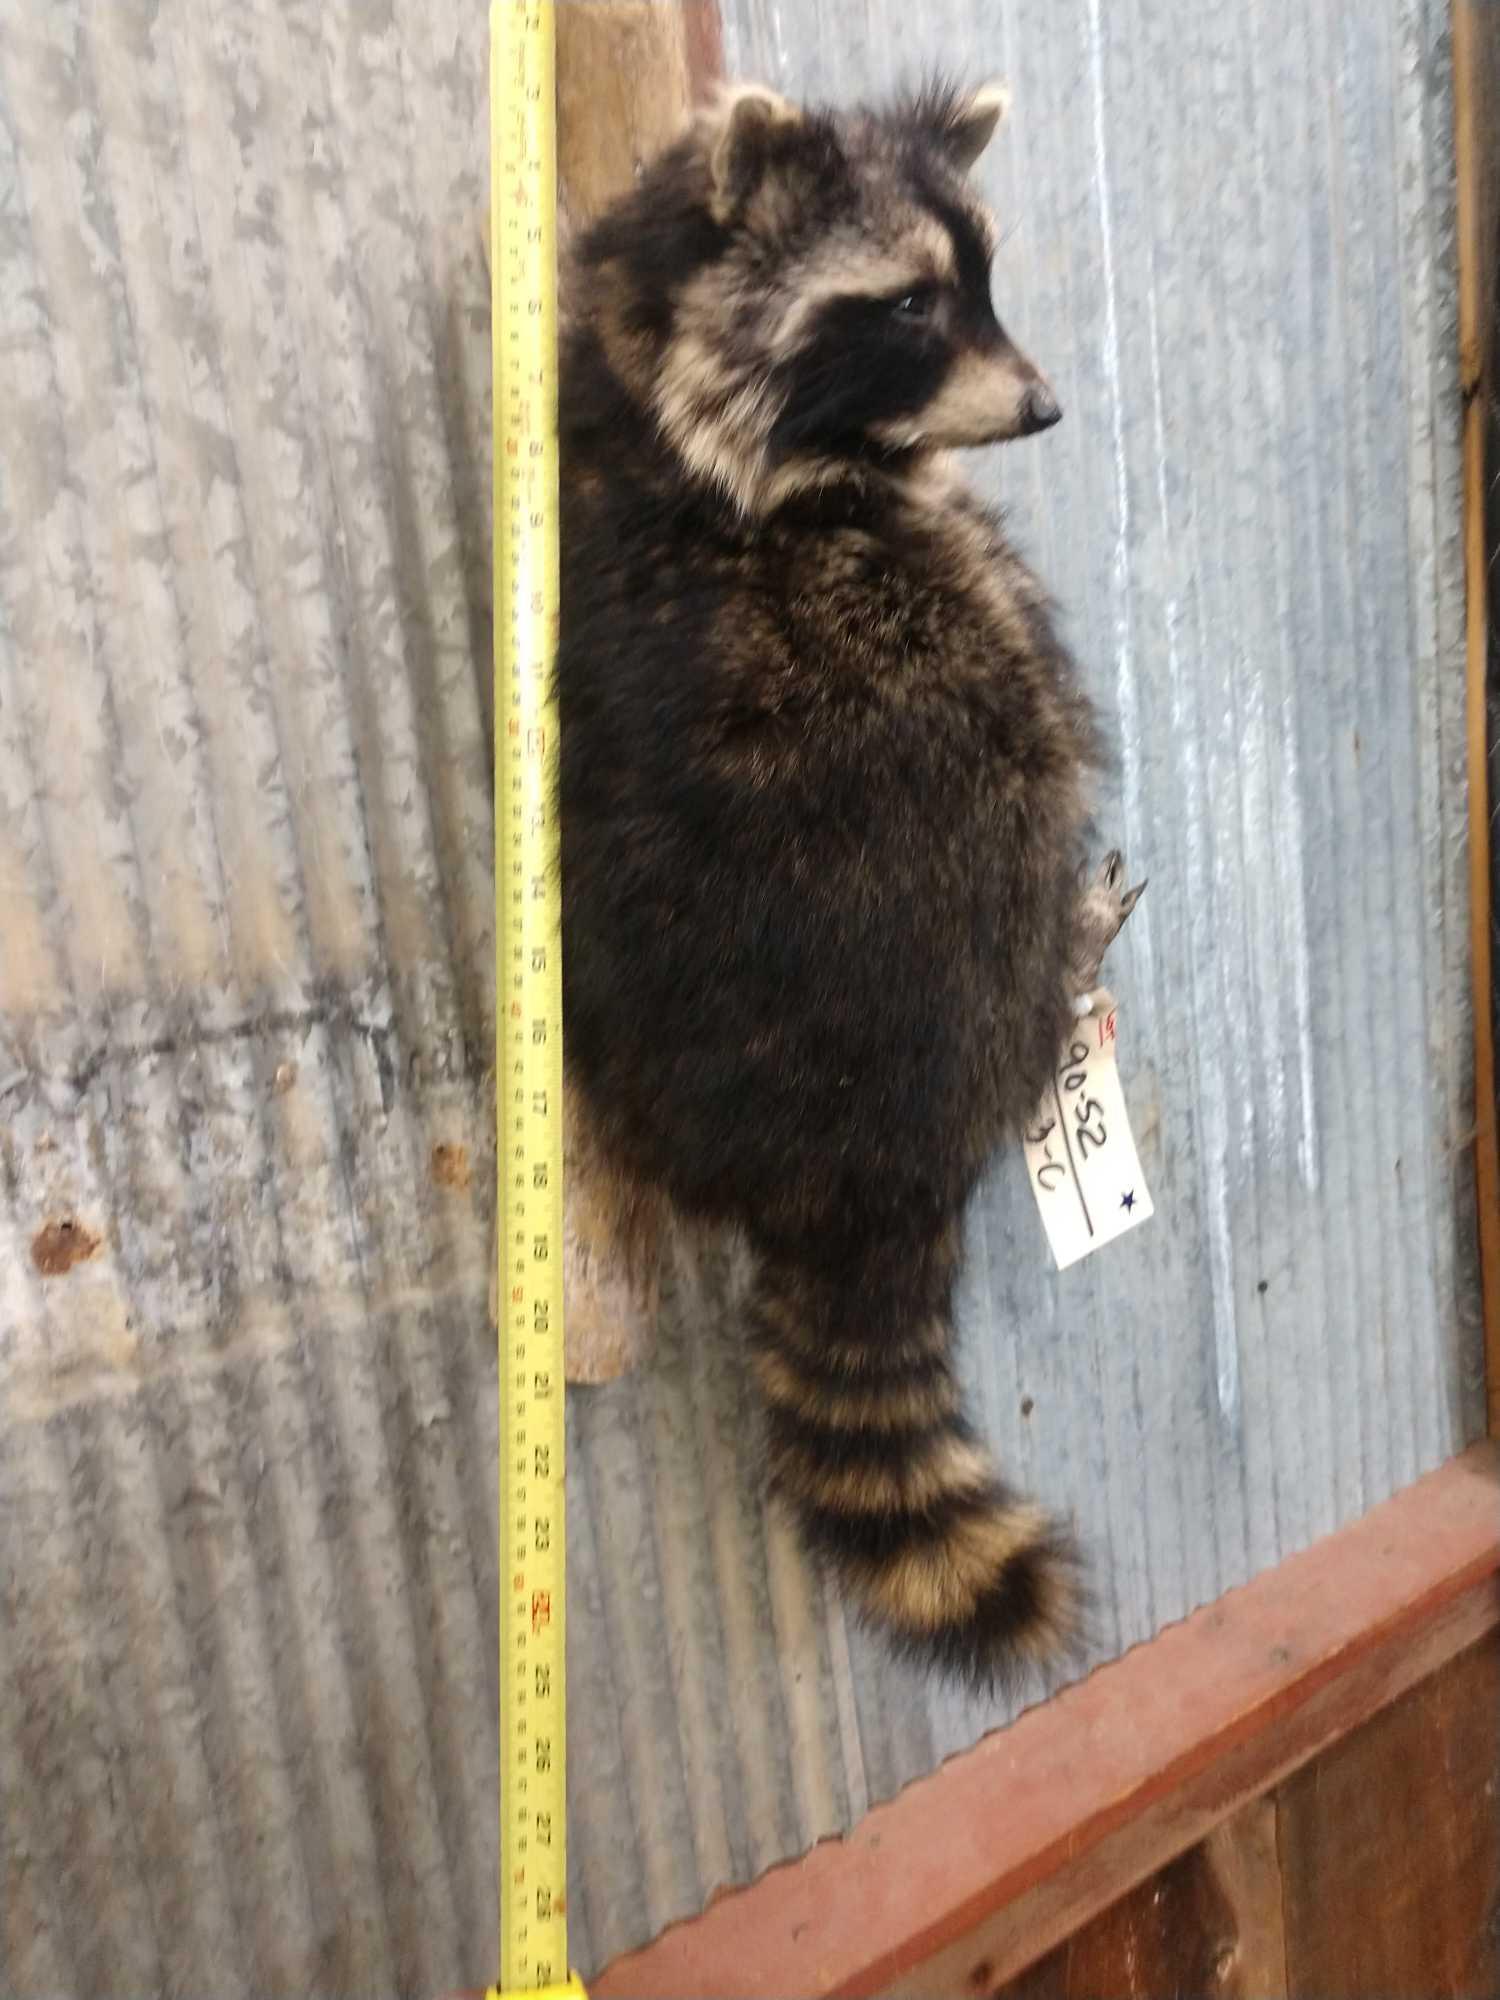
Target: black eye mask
point(868, 362)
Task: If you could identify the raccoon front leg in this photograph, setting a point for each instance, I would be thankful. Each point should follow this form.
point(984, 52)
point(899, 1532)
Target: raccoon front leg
point(1103, 905)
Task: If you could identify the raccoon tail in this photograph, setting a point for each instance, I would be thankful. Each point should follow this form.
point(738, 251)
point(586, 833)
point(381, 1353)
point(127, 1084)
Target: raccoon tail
point(871, 1450)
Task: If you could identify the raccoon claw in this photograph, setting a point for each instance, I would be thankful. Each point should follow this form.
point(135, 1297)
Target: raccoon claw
point(1105, 902)
point(1102, 909)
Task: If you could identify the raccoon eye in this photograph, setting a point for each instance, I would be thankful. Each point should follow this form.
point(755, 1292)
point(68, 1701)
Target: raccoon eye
point(913, 308)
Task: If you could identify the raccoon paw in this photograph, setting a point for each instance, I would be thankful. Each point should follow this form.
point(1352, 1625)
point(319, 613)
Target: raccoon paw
point(1103, 905)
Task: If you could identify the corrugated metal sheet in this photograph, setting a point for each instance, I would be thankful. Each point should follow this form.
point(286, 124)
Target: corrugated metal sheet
point(247, 1579)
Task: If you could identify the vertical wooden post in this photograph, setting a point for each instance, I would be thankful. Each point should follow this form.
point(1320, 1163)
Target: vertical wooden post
point(628, 74)
point(628, 71)
point(1476, 93)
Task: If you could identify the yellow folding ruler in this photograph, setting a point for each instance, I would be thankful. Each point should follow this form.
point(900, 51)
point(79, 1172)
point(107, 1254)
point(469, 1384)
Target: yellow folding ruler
point(528, 989)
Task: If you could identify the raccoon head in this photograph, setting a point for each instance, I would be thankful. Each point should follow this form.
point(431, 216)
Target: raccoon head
point(798, 293)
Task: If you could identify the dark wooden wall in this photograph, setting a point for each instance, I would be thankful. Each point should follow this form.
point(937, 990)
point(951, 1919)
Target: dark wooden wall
point(1373, 1873)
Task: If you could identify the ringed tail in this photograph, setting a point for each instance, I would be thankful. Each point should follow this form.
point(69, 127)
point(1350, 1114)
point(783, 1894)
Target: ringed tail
point(870, 1448)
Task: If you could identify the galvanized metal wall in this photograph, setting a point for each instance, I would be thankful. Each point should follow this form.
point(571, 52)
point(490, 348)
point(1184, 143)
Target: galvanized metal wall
point(247, 1579)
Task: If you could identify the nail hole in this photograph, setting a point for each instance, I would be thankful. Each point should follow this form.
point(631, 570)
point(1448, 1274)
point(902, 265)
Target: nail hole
point(59, 1245)
point(450, 1166)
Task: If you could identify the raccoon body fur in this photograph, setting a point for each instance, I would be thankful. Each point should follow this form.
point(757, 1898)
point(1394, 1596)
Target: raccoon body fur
point(823, 789)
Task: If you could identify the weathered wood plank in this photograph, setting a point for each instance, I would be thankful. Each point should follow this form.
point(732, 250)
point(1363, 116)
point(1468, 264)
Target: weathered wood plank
point(1208, 1923)
point(1390, 1848)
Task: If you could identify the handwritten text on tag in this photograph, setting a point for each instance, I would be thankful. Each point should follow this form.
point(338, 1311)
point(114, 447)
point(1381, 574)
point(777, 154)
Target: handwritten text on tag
point(1079, 1150)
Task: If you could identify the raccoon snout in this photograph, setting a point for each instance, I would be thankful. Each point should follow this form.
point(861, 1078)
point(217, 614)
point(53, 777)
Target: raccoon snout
point(1040, 409)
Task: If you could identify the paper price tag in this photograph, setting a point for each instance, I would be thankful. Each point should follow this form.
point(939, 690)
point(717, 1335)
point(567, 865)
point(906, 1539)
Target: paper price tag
point(1080, 1153)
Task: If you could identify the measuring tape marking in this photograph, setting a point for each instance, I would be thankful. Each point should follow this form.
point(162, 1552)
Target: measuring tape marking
point(533, 1660)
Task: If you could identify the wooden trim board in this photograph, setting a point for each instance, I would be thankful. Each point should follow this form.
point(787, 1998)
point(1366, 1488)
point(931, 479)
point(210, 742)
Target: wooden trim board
point(1476, 99)
point(973, 1873)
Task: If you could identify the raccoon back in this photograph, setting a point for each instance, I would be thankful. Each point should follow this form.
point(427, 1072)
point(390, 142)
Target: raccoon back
point(820, 823)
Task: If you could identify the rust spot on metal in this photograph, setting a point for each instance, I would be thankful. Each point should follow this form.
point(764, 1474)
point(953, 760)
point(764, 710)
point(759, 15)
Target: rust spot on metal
point(450, 1166)
point(58, 1246)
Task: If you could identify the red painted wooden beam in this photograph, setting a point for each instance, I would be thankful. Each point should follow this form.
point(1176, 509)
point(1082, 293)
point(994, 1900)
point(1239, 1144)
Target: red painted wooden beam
point(971, 1874)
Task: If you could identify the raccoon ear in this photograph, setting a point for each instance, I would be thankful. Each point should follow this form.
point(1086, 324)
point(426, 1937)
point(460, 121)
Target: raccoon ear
point(969, 123)
point(743, 131)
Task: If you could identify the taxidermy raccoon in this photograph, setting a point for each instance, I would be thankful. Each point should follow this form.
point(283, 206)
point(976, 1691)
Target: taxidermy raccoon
point(823, 804)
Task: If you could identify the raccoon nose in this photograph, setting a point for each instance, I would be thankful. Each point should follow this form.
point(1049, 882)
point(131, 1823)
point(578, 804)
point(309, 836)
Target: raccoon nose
point(1039, 409)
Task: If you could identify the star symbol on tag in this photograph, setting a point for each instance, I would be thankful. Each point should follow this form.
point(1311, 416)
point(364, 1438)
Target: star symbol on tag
point(1127, 1200)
